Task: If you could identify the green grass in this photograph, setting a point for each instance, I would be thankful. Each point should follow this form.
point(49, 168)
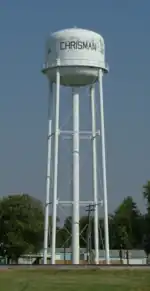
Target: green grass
point(96, 280)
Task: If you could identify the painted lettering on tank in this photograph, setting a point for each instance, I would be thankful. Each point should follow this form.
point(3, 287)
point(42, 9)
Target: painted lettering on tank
point(82, 45)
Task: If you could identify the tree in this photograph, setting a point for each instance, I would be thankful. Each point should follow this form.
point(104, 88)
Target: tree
point(146, 244)
point(146, 194)
point(21, 225)
point(146, 230)
point(127, 220)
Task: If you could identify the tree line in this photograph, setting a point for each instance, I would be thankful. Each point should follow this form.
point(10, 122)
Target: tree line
point(22, 226)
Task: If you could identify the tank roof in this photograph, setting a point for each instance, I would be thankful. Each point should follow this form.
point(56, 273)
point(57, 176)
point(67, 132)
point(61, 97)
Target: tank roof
point(75, 30)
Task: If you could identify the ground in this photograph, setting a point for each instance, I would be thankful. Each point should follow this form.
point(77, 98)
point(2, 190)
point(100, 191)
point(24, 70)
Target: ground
point(75, 280)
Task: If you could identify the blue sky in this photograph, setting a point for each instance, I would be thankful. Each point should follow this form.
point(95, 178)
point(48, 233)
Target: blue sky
point(24, 26)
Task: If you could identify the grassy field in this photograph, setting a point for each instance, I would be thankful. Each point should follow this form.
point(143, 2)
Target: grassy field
point(94, 280)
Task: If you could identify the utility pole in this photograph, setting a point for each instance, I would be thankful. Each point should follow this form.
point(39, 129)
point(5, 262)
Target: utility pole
point(90, 208)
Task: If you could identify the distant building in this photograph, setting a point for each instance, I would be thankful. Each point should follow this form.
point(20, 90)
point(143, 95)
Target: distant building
point(63, 256)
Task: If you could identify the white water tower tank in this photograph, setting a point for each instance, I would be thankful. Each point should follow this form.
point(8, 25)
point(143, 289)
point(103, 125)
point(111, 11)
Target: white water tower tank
point(79, 53)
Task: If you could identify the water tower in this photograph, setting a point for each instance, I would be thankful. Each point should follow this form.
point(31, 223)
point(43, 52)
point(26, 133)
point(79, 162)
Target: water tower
point(74, 58)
